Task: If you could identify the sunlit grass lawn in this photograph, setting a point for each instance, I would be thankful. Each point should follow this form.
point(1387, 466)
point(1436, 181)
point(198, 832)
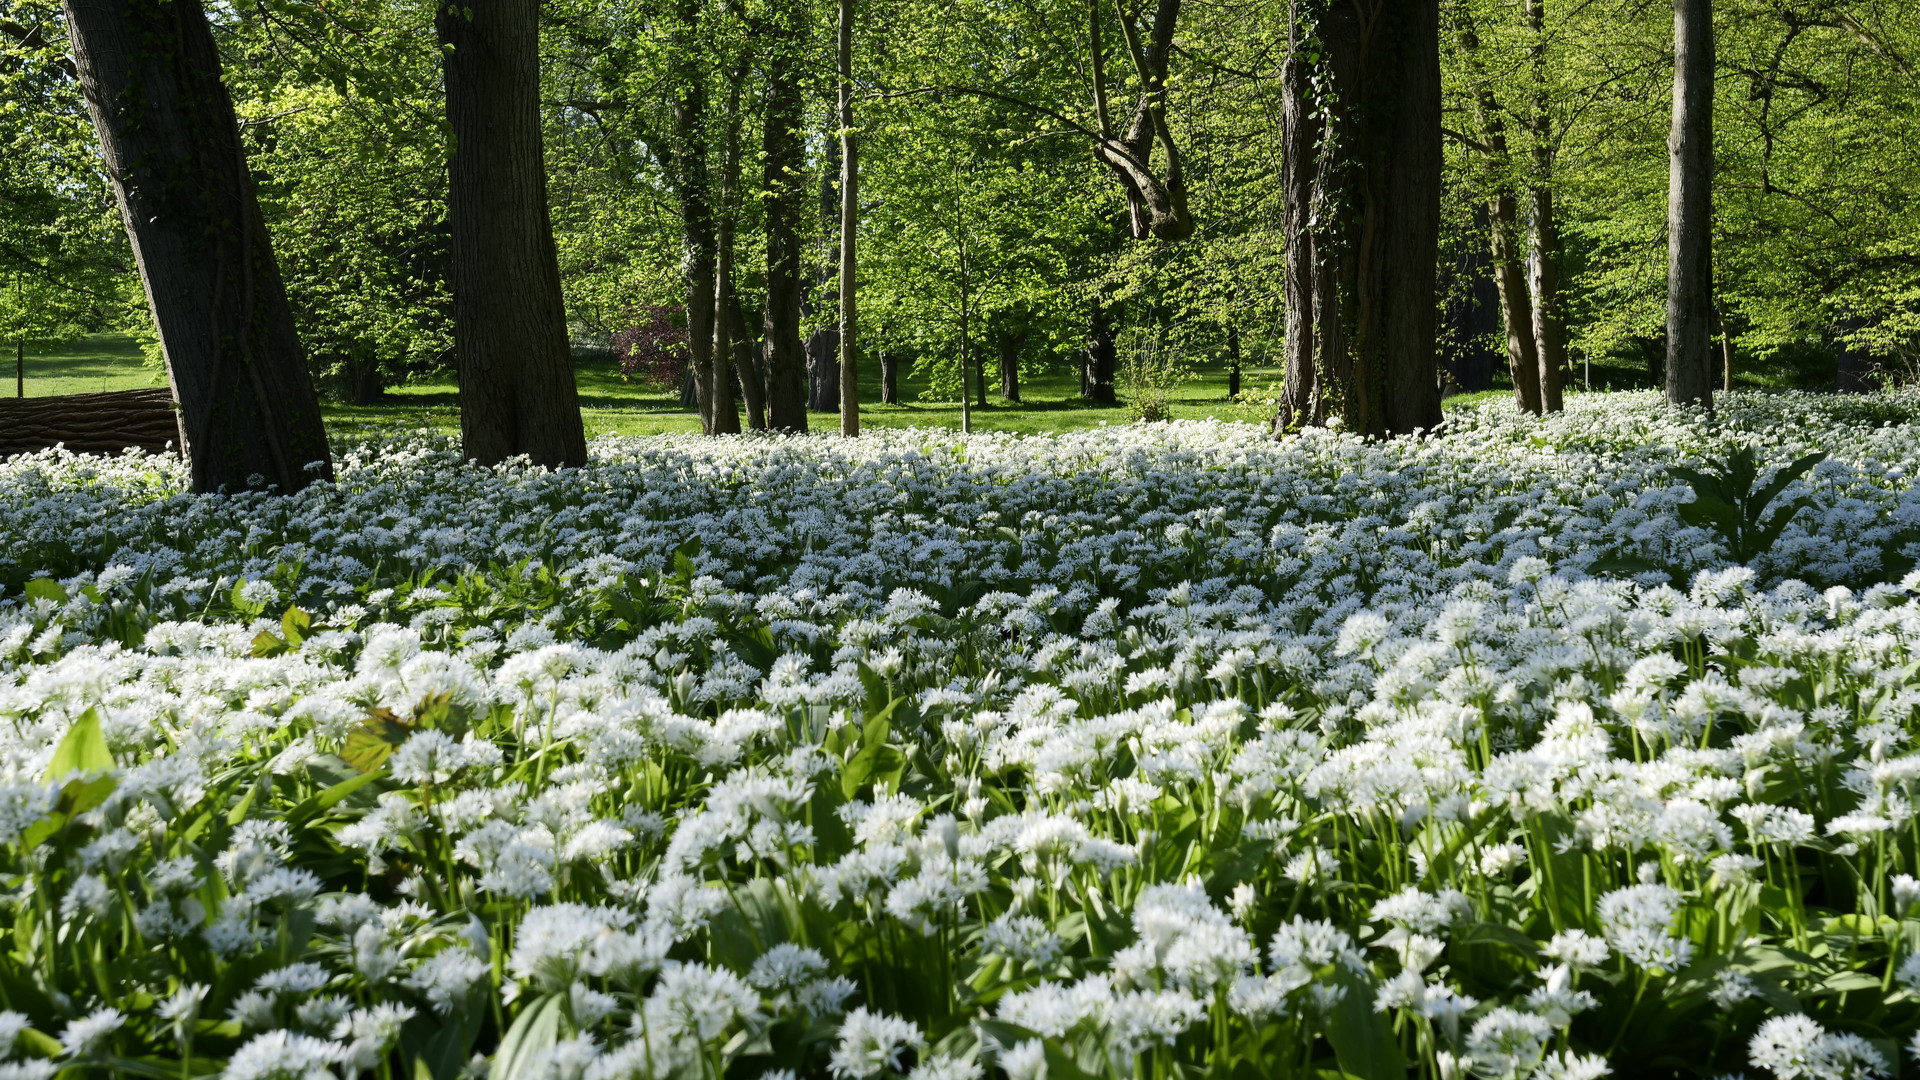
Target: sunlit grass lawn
point(91, 365)
point(613, 404)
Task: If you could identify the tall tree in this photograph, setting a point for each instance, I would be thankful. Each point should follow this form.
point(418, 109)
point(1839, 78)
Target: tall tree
point(727, 322)
point(849, 230)
point(783, 160)
point(517, 394)
point(1361, 175)
point(151, 76)
point(686, 157)
point(1549, 325)
point(1509, 269)
point(1690, 208)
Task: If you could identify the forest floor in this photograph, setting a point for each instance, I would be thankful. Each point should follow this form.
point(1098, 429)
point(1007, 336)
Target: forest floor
point(614, 404)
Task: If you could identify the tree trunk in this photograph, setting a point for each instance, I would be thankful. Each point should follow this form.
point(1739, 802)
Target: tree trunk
point(1549, 326)
point(784, 162)
point(746, 360)
point(889, 377)
point(1233, 363)
point(1690, 209)
point(1509, 272)
point(517, 394)
point(726, 416)
point(1516, 308)
point(692, 184)
point(1156, 203)
point(980, 380)
point(849, 229)
point(150, 73)
point(363, 383)
point(1364, 234)
point(823, 370)
point(1097, 370)
point(1726, 347)
point(90, 423)
point(1009, 354)
point(20, 369)
point(1301, 401)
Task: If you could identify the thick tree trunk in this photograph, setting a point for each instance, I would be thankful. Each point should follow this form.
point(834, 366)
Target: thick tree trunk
point(1368, 244)
point(1516, 307)
point(90, 423)
point(150, 74)
point(362, 382)
point(1549, 326)
point(889, 377)
point(823, 370)
point(1509, 271)
point(1101, 359)
point(849, 232)
point(784, 162)
point(1008, 348)
point(1690, 208)
point(517, 394)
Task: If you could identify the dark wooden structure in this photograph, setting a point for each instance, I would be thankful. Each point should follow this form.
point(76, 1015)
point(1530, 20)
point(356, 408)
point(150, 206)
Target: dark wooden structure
point(91, 423)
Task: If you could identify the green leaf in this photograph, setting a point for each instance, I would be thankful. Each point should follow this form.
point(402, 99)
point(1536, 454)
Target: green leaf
point(294, 626)
point(523, 1049)
point(326, 800)
point(370, 744)
point(266, 644)
point(875, 762)
point(45, 588)
point(1362, 1039)
point(84, 750)
point(1786, 475)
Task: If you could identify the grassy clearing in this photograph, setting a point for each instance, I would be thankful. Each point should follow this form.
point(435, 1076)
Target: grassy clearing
point(612, 404)
point(92, 365)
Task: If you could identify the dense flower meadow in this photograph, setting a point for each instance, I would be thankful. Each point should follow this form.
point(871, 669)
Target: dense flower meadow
point(1148, 752)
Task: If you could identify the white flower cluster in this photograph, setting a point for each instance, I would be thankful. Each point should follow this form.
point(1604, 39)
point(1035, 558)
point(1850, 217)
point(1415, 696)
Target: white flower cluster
point(1165, 749)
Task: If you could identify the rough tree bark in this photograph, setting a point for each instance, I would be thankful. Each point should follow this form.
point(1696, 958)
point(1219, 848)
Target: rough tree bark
point(849, 231)
point(1097, 370)
point(517, 393)
point(784, 163)
point(692, 186)
point(1549, 324)
point(1363, 224)
point(1690, 208)
point(1509, 269)
point(150, 74)
point(823, 370)
point(726, 417)
point(90, 423)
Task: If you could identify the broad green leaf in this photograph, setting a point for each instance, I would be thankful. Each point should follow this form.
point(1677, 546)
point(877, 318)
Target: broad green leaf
point(522, 1051)
point(84, 750)
point(1363, 1039)
point(45, 588)
point(265, 643)
point(294, 626)
point(374, 740)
